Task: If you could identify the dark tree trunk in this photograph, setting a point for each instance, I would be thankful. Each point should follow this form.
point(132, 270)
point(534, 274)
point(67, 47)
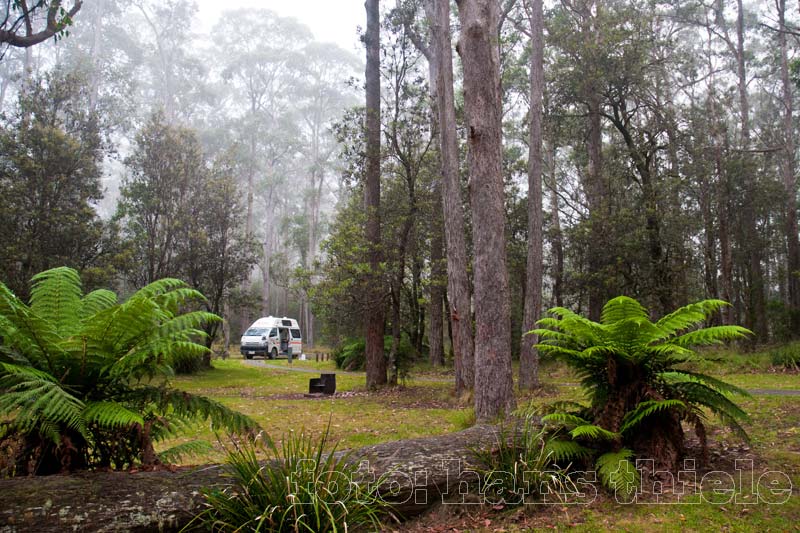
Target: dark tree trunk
point(529, 356)
point(458, 285)
point(374, 311)
point(494, 394)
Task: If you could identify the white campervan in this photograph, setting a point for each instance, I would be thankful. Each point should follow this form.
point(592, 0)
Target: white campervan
point(272, 337)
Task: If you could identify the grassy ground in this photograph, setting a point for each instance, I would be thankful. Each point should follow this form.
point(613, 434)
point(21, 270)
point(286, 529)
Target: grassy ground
point(425, 406)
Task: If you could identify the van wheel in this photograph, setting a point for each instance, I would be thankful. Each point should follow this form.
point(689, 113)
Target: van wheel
point(248, 356)
point(273, 354)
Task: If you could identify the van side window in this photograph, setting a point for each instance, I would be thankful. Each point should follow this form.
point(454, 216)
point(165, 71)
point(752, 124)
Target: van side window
point(273, 332)
point(295, 333)
point(286, 322)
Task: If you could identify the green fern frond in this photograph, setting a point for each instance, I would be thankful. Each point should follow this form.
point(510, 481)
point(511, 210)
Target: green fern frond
point(185, 449)
point(593, 432)
point(648, 408)
point(56, 298)
point(688, 316)
point(712, 335)
point(617, 472)
point(622, 308)
point(97, 301)
point(715, 383)
point(566, 450)
point(564, 419)
point(110, 415)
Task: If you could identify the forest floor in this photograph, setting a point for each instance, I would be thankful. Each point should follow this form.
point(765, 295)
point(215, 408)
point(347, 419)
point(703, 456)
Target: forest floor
point(273, 393)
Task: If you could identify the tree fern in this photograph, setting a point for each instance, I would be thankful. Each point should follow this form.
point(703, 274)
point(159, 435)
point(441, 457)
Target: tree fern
point(79, 370)
point(632, 371)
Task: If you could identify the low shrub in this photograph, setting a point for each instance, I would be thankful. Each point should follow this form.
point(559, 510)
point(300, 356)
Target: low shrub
point(351, 354)
point(521, 468)
point(786, 357)
point(296, 486)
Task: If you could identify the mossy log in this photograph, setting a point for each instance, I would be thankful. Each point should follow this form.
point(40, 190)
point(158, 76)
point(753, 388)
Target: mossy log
point(420, 473)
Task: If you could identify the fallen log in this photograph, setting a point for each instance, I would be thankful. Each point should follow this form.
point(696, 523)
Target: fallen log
point(420, 472)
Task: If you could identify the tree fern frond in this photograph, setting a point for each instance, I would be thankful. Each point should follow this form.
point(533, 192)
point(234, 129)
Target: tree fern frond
point(97, 301)
point(718, 384)
point(56, 298)
point(110, 415)
point(565, 450)
point(645, 409)
point(594, 432)
point(622, 308)
point(688, 316)
point(564, 419)
point(198, 407)
point(185, 449)
point(617, 472)
point(711, 335)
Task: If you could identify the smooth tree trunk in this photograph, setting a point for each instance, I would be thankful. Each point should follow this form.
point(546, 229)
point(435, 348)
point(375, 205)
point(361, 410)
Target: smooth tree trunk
point(374, 310)
point(757, 305)
point(478, 48)
point(788, 174)
point(459, 292)
point(529, 356)
point(438, 275)
point(558, 238)
point(438, 268)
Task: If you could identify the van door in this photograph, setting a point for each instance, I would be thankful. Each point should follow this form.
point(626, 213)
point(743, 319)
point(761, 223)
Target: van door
point(297, 341)
point(284, 334)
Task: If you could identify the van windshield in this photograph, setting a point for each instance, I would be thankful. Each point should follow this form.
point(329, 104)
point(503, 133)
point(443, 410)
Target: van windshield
point(255, 332)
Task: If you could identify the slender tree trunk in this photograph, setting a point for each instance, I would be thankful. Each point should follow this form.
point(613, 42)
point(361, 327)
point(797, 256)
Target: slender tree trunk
point(558, 239)
point(788, 173)
point(529, 356)
point(459, 292)
point(477, 45)
point(94, 81)
point(438, 275)
point(374, 312)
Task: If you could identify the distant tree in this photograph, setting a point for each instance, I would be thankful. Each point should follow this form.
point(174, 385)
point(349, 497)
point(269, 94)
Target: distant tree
point(50, 153)
point(24, 25)
point(153, 208)
point(213, 253)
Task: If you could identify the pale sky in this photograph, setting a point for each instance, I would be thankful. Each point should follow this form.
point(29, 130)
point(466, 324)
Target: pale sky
point(329, 20)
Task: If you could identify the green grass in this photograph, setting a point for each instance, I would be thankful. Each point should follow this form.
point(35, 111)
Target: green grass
point(274, 397)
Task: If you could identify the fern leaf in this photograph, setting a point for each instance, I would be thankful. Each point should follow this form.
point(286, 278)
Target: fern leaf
point(97, 301)
point(56, 298)
point(645, 409)
point(594, 432)
point(565, 450)
point(111, 415)
point(617, 472)
point(185, 449)
point(712, 335)
point(622, 308)
point(564, 419)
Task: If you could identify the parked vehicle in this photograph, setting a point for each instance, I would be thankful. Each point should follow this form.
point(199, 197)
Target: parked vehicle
point(272, 337)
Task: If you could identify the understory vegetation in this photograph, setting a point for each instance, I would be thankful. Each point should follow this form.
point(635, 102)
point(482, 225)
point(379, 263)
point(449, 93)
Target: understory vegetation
point(639, 393)
point(303, 486)
point(85, 379)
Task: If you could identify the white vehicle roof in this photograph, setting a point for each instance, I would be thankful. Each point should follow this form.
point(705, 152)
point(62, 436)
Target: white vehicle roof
point(274, 321)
